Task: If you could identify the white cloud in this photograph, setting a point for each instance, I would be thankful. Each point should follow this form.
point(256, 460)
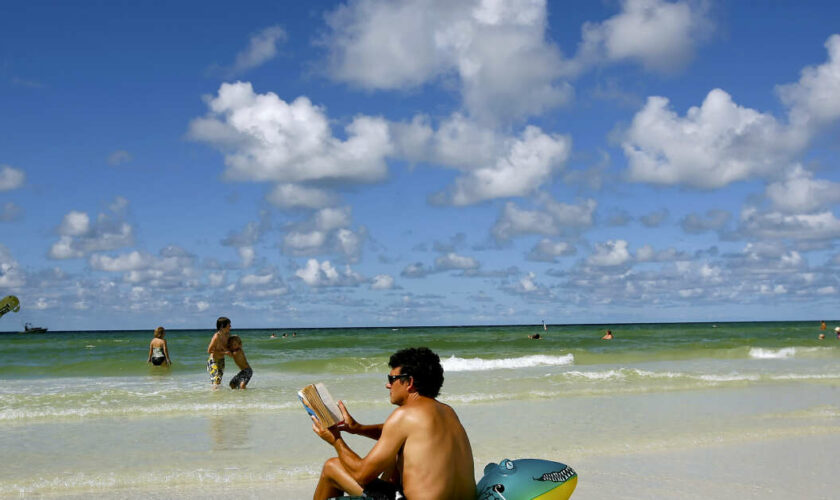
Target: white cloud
point(11, 276)
point(800, 193)
point(247, 255)
point(382, 282)
point(721, 142)
point(815, 99)
point(528, 165)
point(814, 226)
point(126, 262)
point(661, 35)
point(452, 261)
point(498, 50)
point(317, 274)
point(493, 165)
point(80, 237)
point(548, 251)
point(267, 139)
point(550, 221)
point(257, 280)
point(326, 232)
point(75, 223)
point(714, 145)
point(609, 254)
point(261, 48)
point(297, 196)
point(11, 178)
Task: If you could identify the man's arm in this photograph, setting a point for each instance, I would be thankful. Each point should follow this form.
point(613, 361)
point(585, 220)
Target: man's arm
point(383, 455)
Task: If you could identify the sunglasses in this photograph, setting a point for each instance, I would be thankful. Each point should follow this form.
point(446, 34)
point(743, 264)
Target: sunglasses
point(393, 378)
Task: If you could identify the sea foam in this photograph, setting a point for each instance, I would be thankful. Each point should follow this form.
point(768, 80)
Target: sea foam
point(454, 364)
point(759, 353)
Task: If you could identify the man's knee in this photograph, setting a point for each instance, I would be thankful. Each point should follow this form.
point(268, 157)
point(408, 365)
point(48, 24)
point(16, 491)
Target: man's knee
point(332, 468)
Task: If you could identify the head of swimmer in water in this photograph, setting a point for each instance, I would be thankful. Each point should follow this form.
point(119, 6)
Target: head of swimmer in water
point(234, 343)
point(222, 322)
point(160, 332)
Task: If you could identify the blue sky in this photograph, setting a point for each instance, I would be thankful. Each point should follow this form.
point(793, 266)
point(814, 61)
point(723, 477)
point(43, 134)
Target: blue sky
point(380, 163)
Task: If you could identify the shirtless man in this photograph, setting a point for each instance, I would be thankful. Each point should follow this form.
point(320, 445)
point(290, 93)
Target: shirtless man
point(217, 349)
point(422, 449)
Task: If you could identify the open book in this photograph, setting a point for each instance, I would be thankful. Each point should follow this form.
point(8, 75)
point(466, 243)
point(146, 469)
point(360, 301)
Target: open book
point(320, 404)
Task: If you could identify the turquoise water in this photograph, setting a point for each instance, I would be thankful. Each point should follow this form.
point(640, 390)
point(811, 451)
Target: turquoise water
point(89, 416)
point(347, 351)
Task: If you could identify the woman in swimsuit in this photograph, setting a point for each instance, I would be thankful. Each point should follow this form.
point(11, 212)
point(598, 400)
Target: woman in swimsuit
point(158, 350)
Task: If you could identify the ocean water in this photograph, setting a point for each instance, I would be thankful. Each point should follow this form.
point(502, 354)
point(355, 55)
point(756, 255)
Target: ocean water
point(82, 414)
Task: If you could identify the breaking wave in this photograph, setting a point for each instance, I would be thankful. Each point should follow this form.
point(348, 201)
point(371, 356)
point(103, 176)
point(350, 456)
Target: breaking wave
point(454, 364)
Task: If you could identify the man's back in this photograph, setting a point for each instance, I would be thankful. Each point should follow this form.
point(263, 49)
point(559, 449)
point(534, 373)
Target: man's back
point(436, 460)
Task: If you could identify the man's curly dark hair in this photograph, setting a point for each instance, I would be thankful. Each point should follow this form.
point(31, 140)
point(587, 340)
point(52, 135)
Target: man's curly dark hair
point(424, 367)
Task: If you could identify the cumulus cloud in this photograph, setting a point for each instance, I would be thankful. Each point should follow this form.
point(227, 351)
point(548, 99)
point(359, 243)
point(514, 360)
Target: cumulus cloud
point(265, 138)
point(552, 219)
point(713, 145)
point(11, 178)
point(326, 231)
point(324, 274)
point(449, 261)
point(172, 267)
point(262, 47)
point(611, 253)
point(453, 261)
point(527, 285)
point(548, 251)
point(799, 192)
point(245, 240)
point(720, 142)
point(659, 34)
point(497, 51)
point(493, 165)
point(297, 196)
point(815, 99)
point(382, 282)
point(79, 236)
point(822, 225)
point(11, 276)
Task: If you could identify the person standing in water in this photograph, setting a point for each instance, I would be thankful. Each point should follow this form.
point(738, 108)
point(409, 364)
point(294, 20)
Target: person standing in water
point(241, 379)
point(608, 335)
point(217, 349)
point(158, 350)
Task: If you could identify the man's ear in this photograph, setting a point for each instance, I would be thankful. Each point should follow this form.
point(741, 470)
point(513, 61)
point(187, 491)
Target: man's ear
point(411, 384)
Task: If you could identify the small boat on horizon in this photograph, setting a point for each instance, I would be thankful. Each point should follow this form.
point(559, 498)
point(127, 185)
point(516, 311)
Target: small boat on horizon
point(28, 328)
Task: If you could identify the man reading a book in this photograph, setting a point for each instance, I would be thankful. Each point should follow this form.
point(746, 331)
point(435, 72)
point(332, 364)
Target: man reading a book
point(421, 450)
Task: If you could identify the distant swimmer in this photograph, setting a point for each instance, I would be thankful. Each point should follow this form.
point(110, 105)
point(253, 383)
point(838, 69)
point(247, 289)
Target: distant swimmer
point(822, 336)
point(535, 336)
point(158, 350)
point(608, 335)
point(837, 331)
point(822, 325)
point(273, 336)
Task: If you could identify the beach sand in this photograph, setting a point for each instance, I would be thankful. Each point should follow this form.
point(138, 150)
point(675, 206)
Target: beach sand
point(742, 443)
point(802, 467)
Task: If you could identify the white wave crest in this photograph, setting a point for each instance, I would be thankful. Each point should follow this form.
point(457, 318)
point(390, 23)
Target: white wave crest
point(454, 364)
point(759, 353)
